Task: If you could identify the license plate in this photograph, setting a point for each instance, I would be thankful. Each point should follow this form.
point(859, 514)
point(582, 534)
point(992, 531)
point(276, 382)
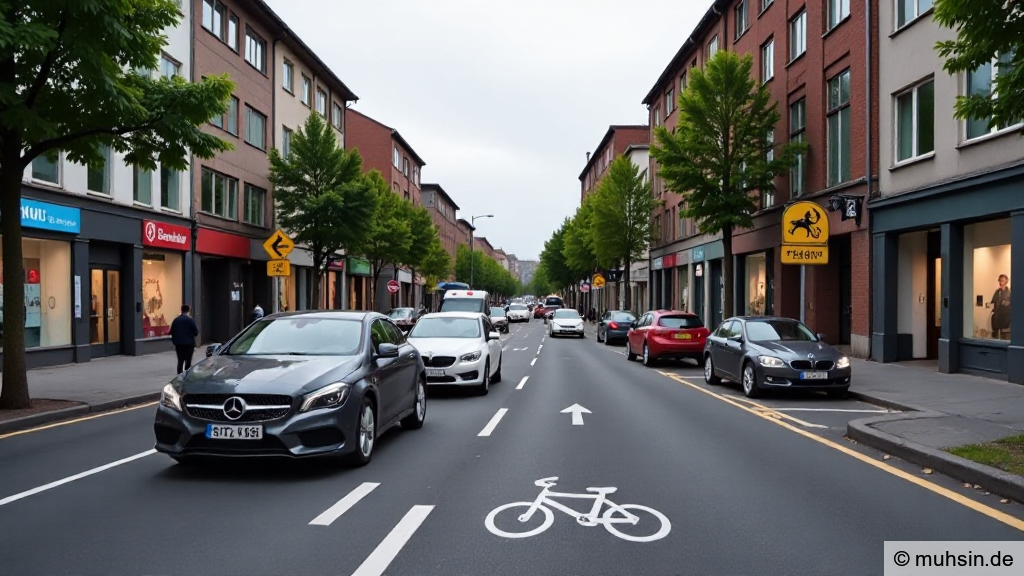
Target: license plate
point(814, 375)
point(435, 372)
point(683, 336)
point(231, 432)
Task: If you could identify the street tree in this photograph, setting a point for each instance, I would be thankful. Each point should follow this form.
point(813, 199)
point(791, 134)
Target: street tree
point(989, 33)
point(621, 225)
point(390, 234)
point(578, 247)
point(318, 185)
point(552, 258)
point(437, 265)
point(721, 154)
point(74, 82)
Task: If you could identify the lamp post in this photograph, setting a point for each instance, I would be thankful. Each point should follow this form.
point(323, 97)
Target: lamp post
point(472, 224)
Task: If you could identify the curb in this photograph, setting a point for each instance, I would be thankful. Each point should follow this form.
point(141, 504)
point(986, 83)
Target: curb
point(25, 422)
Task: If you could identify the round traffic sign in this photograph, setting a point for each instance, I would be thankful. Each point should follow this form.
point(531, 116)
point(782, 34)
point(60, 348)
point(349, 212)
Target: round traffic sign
point(584, 288)
point(393, 286)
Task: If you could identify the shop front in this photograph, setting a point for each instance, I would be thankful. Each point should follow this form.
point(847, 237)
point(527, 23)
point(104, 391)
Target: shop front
point(358, 283)
point(165, 248)
point(230, 282)
point(293, 290)
point(707, 288)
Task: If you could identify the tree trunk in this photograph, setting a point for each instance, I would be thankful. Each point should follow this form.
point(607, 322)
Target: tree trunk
point(728, 298)
point(373, 285)
point(626, 304)
point(15, 379)
point(317, 276)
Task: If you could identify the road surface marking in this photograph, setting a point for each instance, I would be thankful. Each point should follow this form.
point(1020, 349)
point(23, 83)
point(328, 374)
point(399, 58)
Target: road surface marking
point(343, 505)
point(775, 413)
point(958, 498)
point(532, 362)
point(504, 348)
point(577, 412)
point(76, 420)
point(78, 476)
point(542, 339)
point(382, 556)
point(833, 410)
point(493, 423)
point(522, 382)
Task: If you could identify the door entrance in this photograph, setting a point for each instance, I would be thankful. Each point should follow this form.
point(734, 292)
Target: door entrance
point(105, 311)
point(934, 298)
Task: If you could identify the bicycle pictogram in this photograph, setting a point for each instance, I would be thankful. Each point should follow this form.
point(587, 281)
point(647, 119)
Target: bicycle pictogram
point(613, 516)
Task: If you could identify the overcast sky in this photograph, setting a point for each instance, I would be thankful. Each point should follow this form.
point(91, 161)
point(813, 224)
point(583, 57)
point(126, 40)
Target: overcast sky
point(501, 98)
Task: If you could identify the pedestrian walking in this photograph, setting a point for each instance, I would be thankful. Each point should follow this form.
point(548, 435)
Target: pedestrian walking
point(183, 337)
point(257, 312)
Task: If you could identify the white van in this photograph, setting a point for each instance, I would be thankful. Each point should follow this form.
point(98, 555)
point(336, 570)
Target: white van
point(466, 301)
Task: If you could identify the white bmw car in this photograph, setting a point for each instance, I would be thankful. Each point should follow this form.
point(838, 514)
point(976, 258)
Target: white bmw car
point(459, 349)
point(565, 322)
point(519, 313)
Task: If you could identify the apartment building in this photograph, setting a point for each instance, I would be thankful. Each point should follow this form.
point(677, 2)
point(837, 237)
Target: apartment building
point(442, 211)
point(482, 244)
point(948, 226)
point(824, 91)
point(107, 250)
point(513, 265)
point(501, 258)
point(465, 232)
point(617, 140)
point(527, 269)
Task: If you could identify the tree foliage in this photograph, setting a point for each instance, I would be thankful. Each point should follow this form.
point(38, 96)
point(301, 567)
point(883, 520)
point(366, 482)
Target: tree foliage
point(437, 266)
point(488, 275)
point(720, 156)
point(578, 245)
point(986, 30)
point(68, 87)
point(317, 186)
point(390, 234)
point(552, 258)
point(422, 232)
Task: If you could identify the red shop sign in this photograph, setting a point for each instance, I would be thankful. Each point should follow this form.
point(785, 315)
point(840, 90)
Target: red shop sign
point(222, 244)
point(164, 235)
point(669, 261)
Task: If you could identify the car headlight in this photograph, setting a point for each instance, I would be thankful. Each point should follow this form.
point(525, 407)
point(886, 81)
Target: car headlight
point(770, 361)
point(330, 396)
point(471, 357)
point(170, 398)
point(843, 362)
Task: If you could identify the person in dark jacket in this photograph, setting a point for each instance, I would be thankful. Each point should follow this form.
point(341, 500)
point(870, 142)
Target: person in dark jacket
point(183, 337)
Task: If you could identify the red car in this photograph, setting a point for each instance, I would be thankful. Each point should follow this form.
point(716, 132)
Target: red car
point(667, 334)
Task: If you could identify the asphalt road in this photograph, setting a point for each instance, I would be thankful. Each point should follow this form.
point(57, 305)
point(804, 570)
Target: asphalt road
point(724, 485)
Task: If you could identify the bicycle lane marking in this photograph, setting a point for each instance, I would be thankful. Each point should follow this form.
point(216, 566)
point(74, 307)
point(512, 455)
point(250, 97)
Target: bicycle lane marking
point(74, 477)
point(493, 423)
point(385, 552)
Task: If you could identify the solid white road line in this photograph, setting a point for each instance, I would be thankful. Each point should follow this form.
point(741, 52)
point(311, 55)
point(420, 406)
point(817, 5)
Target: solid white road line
point(382, 556)
point(522, 382)
point(78, 476)
point(493, 423)
point(343, 505)
point(532, 362)
point(831, 410)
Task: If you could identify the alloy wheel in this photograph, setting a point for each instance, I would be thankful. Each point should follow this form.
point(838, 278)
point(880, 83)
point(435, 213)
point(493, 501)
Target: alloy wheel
point(421, 401)
point(367, 431)
point(709, 370)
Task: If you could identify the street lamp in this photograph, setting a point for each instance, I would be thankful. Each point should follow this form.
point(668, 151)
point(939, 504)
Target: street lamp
point(472, 224)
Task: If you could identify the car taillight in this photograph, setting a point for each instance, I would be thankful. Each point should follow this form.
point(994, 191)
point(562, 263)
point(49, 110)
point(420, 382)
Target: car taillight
point(613, 325)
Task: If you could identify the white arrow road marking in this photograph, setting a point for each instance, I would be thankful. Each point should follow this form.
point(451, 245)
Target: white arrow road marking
point(532, 362)
point(343, 505)
point(493, 423)
point(382, 556)
point(577, 414)
point(522, 382)
point(78, 476)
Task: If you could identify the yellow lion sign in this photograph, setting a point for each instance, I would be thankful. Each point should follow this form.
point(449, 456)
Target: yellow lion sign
point(805, 223)
point(598, 281)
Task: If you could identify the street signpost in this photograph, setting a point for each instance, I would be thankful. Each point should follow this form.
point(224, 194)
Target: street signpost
point(393, 286)
point(804, 234)
point(279, 268)
point(598, 281)
point(278, 247)
point(584, 287)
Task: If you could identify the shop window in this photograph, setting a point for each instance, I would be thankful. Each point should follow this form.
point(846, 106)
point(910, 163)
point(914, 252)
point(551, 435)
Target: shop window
point(48, 295)
point(46, 170)
point(99, 176)
point(170, 187)
point(987, 277)
point(220, 194)
point(253, 204)
point(142, 186)
point(757, 266)
point(161, 292)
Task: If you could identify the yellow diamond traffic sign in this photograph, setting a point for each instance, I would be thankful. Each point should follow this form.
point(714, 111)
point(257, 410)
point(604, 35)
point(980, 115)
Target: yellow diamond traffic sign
point(279, 268)
point(279, 245)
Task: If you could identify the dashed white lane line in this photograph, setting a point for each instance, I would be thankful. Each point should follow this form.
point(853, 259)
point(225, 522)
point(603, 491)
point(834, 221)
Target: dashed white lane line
point(534, 361)
point(504, 348)
point(382, 556)
point(522, 383)
point(343, 505)
point(78, 476)
point(493, 423)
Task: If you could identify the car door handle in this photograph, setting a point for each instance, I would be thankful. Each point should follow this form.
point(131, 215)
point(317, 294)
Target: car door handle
point(412, 355)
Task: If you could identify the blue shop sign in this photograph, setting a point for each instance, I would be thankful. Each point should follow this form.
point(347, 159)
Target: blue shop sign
point(698, 254)
point(46, 216)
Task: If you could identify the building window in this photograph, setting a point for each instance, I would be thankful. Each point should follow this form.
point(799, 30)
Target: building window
point(229, 119)
point(47, 279)
point(915, 121)
point(798, 35)
point(981, 82)
point(740, 12)
point(757, 281)
point(255, 51)
point(336, 115)
point(321, 102)
point(768, 196)
point(255, 128)
point(657, 116)
point(233, 32)
point(712, 47)
point(169, 68)
point(669, 102)
point(797, 129)
point(142, 186)
point(307, 90)
point(253, 205)
point(405, 166)
point(907, 10)
point(99, 176)
point(161, 292)
point(169, 188)
point(213, 17)
point(765, 4)
point(768, 61)
point(286, 142)
point(288, 76)
point(987, 276)
point(839, 128)
point(406, 194)
point(219, 194)
point(838, 10)
point(46, 170)
point(396, 158)
point(682, 83)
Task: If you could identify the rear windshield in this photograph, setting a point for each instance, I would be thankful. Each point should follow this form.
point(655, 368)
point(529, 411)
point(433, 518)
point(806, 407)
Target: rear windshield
point(623, 317)
point(464, 305)
point(401, 313)
point(680, 322)
point(497, 311)
point(553, 301)
point(566, 314)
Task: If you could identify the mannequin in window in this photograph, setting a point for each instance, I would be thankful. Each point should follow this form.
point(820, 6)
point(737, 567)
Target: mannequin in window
point(1001, 309)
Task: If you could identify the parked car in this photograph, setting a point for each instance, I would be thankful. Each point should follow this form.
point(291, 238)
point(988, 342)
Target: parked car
point(499, 318)
point(614, 325)
point(762, 352)
point(296, 384)
point(565, 322)
point(404, 318)
point(518, 313)
point(661, 334)
point(459, 348)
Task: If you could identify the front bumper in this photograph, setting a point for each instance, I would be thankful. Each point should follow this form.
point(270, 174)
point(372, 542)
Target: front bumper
point(309, 434)
point(459, 374)
point(787, 377)
point(557, 330)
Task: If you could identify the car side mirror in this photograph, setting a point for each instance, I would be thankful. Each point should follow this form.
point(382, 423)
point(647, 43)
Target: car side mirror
point(821, 336)
point(493, 336)
point(212, 349)
point(632, 325)
point(387, 350)
point(737, 339)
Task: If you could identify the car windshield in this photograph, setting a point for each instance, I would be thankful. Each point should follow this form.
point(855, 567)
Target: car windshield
point(517, 307)
point(553, 302)
point(401, 313)
point(299, 335)
point(776, 330)
point(678, 322)
point(497, 311)
point(462, 305)
point(566, 314)
point(446, 328)
point(622, 317)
